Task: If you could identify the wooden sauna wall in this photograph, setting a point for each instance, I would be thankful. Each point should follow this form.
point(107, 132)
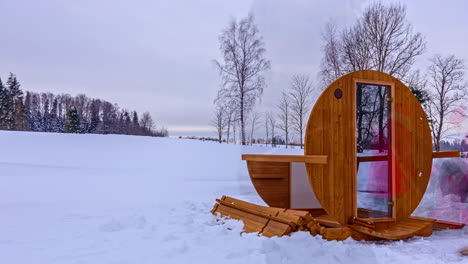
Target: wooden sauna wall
point(413, 151)
point(271, 180)
point(330, 131)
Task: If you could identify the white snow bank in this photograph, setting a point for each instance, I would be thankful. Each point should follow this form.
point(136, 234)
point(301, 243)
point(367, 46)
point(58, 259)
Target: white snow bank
point(126, 199)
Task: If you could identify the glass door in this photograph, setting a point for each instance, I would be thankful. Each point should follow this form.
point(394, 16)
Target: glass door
point(373, 146)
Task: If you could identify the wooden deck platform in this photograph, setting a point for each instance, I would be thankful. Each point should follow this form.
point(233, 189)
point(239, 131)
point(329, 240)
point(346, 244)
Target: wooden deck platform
point(396, 231)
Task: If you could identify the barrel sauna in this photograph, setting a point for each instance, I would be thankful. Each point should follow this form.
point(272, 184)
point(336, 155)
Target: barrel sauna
point(365, 124)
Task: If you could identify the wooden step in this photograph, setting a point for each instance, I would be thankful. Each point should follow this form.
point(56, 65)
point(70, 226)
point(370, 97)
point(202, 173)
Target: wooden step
point(401, 230)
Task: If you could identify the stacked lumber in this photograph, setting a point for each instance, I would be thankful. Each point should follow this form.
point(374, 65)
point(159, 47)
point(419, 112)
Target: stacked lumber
point(267, 221)
point(271, 221)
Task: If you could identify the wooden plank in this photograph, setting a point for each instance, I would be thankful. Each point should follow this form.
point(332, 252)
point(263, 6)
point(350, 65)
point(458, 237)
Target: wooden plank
point(442, 225)
point(306, 216)
point(268, 176)
point(274, 228)
point(372, 158)
point(316, 159)
point(327, 221)
point(264, 220)
point(364, 223)
point(256, 213)
point(422, 218)
point(267, 210)
point(277, 212)
point(446, 154)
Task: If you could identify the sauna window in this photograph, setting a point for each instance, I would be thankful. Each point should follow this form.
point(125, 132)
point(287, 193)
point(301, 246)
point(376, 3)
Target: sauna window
point(373, 146)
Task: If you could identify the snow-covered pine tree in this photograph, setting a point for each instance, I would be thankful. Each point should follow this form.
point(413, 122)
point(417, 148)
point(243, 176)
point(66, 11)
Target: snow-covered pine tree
point(127, 123)
point(46, 126)
point(94, 112)
point(72, 125)
point(53, 118)
point(16, 118)
point(135, 124)
point(3, 98)
point(27, 110)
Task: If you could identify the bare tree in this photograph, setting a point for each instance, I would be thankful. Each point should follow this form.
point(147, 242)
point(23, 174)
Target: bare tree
point(284, 116)
point(382, 39)
point(417, 82)
point(147, 121)
point(356, 49)
point(331, 65)
point(301, 103)
point(272, 121)
point(267, 127)
point(234, 127)
point(229, 121)
point(255, 121)
point(219, 121)
point(243, 52)
point(447, 95)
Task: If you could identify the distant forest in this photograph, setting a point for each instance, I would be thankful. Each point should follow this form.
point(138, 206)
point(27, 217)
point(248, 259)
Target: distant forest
point(48, 112)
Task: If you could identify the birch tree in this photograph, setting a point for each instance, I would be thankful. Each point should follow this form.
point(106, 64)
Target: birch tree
point(243, 62)
point(267, 127)
point(254, 122)
point(272, 122)
point(301, 103)
point(284, 116)
point(219, 121)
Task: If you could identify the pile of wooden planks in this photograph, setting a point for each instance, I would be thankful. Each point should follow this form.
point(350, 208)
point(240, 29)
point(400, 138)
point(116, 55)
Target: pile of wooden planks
point(268, 221)
point(271, 221)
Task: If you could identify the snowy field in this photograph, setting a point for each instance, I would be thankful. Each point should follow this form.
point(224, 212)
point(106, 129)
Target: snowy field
point(127, 199)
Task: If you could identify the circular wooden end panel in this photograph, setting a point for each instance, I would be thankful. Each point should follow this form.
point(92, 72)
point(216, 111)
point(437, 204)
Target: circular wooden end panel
point(331, 131)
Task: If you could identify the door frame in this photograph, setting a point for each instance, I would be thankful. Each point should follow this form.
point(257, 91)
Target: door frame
point(391, 147)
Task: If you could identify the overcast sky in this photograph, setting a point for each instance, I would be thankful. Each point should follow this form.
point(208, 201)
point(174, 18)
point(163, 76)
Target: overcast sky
point(157, 55)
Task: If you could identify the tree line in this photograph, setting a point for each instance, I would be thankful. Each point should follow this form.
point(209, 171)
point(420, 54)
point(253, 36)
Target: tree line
point(63, 113)
point(381, 39)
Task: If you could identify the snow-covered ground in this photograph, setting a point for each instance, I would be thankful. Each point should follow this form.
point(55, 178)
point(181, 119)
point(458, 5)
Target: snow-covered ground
point(126, 199)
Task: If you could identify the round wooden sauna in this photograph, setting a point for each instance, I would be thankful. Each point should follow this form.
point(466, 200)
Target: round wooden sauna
point(365, 124)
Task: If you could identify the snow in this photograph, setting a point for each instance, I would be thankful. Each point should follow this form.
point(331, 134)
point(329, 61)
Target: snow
point(127, 199)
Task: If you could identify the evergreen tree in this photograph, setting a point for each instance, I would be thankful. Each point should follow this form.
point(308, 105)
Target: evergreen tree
point(53, 118)
point(135, 118)
point(420, 94)
point(135, 124)
point(127, 123)
point(63, 113)
point(73, 121)
point(46, 127)
point(3, 105)
point(107, 118)
point(15, 109)
point(94, 112)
